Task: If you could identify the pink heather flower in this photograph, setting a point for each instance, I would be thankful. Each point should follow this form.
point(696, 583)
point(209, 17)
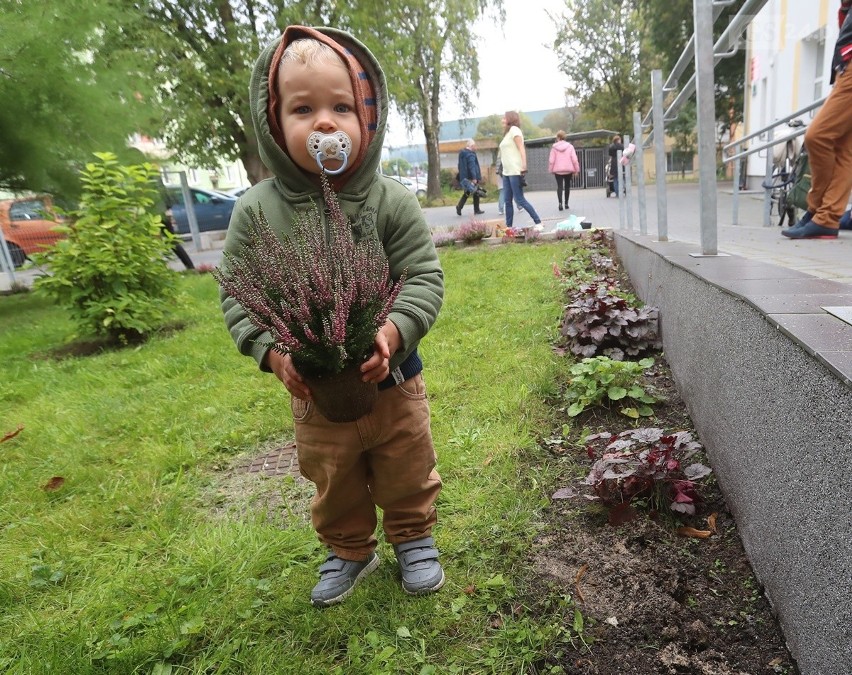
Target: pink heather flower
point(322, 300)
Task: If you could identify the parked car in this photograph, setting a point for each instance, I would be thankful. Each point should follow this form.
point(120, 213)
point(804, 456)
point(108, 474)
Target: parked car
point(416, 185)
point(28, 225)
point(237, 192)
point(212, 209)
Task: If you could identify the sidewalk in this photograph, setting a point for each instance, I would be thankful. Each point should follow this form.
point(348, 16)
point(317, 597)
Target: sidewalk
point(749, 239)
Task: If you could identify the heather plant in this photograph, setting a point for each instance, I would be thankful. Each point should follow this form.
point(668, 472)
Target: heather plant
point(444, 238)
point(472, 231)
point(600, 380)
point(322, 300)
point(645, 463)
point(599, 322)
point(111, 271)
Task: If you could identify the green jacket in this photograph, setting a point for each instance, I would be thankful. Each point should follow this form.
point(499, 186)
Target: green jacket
point(377, 206)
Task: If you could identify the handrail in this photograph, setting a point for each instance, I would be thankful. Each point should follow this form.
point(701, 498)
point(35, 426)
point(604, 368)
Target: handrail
point(765, 146)
point(733, 30)
point(783, 120)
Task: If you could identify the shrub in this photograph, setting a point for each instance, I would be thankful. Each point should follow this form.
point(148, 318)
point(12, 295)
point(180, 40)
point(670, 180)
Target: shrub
point(323, 300)
point(473, 230)
point(445, 238)
point(645, 463)
point(598, 322)
point(599, 380)
point(111, 271)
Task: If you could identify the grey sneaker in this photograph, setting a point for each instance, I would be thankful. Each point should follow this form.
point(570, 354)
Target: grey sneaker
point(338, 578)
point(418, 562)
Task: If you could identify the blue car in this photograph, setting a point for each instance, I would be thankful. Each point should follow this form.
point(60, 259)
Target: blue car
point(212, 209)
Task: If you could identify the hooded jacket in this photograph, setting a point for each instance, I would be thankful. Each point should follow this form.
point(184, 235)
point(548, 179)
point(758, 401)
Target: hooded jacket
point(843, 46)
point(563, 159)
point(376, 205)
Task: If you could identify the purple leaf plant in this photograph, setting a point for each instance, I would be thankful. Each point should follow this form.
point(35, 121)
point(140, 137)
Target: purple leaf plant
point(645, 462)
point(322, 297)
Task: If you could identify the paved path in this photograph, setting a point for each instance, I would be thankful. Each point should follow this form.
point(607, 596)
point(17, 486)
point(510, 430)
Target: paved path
point(749, 239)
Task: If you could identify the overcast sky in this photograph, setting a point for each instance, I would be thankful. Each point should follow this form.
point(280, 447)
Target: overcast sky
point(517, 72)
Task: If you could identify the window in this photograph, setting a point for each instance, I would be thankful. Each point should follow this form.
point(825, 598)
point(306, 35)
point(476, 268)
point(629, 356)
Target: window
point(32, 209)
point(820, 66)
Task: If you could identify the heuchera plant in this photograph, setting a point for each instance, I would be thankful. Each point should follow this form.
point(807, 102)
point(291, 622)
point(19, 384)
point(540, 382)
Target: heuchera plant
point(323, 300)
point(598, 322)
point(645, 463)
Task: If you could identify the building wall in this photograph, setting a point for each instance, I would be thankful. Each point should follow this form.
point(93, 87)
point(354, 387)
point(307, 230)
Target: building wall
point(789, 48)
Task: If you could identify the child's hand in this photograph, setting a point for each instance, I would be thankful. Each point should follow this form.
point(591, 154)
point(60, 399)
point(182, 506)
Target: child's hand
point(284, 370)
point(377, 367)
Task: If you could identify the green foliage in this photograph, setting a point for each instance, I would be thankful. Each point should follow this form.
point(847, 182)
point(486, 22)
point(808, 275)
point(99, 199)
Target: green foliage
point(110, 272)
point(396, 166)
point(66, 91)
point(610, 74)
point(599, 380)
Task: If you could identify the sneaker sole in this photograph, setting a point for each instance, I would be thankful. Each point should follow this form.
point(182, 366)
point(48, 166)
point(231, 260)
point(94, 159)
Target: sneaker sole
point(340, 598)
point(819, 236)
point(431, 589)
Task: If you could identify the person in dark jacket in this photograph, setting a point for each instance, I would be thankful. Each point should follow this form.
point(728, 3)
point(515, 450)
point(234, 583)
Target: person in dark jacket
point(470, 177)
point(613, 149)
point(828, 142)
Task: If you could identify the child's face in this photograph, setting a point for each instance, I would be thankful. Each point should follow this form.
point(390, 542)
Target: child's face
point(316, 98)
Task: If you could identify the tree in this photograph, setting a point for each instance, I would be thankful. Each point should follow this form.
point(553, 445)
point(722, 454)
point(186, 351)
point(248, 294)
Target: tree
point(205, 51)
point(67, 91)
point(668, 18)
point(424, 47)
point(608, 74)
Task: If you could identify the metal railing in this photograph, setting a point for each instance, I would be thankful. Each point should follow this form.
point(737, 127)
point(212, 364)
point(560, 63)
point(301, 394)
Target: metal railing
point(705, 54)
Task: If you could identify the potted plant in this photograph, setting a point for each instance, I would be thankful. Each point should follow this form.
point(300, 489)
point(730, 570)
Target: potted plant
point(322, 299)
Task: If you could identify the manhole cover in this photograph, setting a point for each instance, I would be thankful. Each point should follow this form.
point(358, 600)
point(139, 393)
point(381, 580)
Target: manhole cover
point(278, 462)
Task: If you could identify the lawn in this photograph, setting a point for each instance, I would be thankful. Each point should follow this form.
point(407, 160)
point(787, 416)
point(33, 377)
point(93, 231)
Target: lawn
point(129, 566)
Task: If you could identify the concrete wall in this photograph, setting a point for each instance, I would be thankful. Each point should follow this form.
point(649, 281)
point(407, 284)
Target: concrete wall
point(765, 373)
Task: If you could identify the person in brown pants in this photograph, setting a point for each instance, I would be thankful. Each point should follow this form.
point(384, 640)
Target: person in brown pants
point(828, 142)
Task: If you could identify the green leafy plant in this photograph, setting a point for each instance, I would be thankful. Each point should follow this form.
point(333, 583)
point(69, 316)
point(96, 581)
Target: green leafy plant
point(641, 463)
point(322, 300)
point(597, 321)
point(111, 271)
point(599, 380)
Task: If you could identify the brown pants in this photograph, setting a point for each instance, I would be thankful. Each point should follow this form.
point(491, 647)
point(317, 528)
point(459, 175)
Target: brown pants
point(384, 459)
point(829, 145)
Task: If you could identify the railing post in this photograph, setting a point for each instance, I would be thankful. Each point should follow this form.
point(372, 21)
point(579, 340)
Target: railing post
point(628, 201)
point(704, 89)
point(735, 195)
point(619, 188)
point(640, 172)
point(660, 154)
point(767, 193)
point(6, 262)
point(190, 211)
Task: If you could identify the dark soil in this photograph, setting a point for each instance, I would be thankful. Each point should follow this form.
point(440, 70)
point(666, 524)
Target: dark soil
point(650, 601)
point(99, 345)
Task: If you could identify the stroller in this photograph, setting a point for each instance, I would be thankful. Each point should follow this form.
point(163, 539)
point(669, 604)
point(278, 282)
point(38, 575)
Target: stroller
point(610, 181)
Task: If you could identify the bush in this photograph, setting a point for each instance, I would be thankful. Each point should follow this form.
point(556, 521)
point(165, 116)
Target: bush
point(111, 271)
point(473, 230)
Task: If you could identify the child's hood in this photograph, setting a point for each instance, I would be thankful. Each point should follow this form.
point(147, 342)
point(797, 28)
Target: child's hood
point(263, 95)
point(561, 146)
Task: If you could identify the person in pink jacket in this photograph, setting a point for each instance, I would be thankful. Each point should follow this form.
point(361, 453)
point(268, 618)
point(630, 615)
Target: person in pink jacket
point(563, 164)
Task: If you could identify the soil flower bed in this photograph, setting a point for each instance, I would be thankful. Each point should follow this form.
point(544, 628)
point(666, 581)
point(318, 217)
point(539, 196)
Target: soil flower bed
point(663, 593)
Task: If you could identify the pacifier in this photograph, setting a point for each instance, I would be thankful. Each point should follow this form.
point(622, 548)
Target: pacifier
point(324, 147)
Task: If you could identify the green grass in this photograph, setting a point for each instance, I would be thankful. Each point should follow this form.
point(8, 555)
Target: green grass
point(126, 568)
